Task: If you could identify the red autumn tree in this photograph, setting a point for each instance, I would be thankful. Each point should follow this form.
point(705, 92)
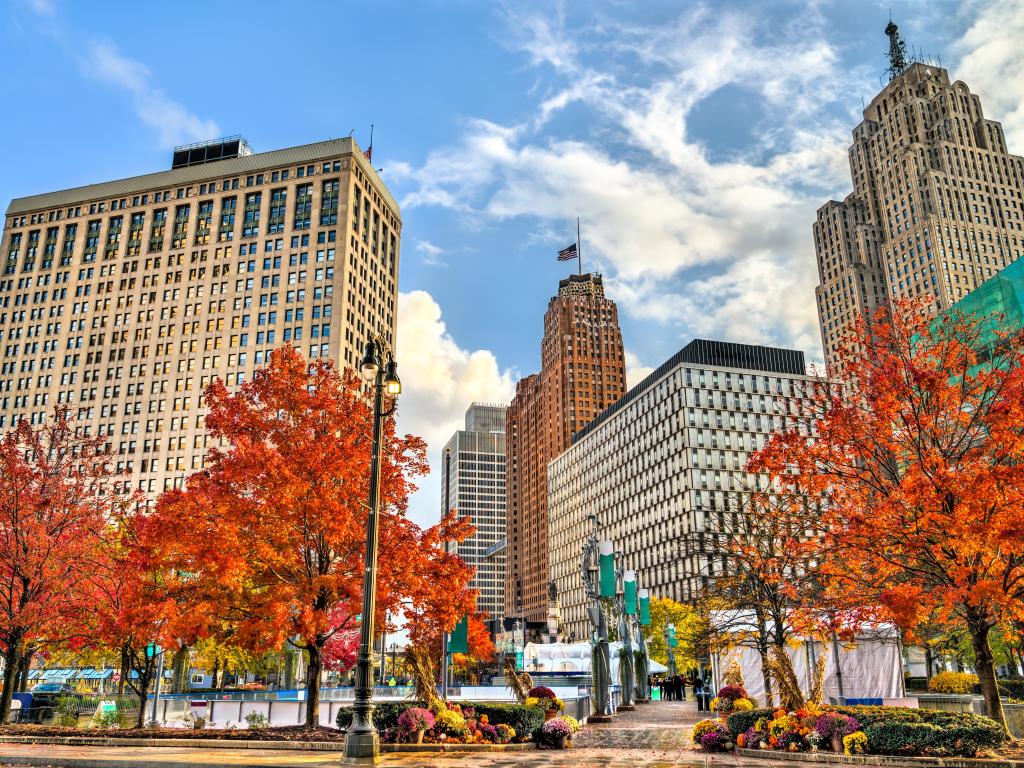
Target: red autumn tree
point(918, 465)
point(55, 493)
point(342, 650)
point(128, 607)
point(269, 538)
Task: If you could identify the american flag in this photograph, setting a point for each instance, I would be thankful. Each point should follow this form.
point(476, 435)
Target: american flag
point(567, 254)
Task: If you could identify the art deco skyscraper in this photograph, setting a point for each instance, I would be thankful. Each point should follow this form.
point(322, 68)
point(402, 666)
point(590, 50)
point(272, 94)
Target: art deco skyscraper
point(936, 205)
point(125, 298)
point(583, 371)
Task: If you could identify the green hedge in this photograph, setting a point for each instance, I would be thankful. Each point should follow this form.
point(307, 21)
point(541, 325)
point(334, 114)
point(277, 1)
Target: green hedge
point(525, 720)
point(739, 722)
point(916, 739)
point(385, 715)
point(1012, 687)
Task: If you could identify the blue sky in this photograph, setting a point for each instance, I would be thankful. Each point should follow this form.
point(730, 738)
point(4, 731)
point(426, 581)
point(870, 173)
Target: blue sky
point(694, 140)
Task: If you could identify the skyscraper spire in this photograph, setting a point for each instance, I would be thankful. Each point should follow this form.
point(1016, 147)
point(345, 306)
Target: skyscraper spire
point(897, 51)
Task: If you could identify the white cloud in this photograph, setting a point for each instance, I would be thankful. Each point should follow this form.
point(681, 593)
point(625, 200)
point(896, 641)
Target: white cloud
point(991, 63)
point(718, 245)
point(635, 370)
point(431, 253)
point(440, 380)
point(42, 7)
point(173, 122)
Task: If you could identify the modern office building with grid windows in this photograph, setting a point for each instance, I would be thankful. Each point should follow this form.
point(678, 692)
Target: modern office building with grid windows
point(124, 299)
point(661, 467)
point(476, 484)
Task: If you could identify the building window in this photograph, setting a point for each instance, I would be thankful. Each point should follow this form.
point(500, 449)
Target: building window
point(251, 222)
point(278, 205)
point(204, 223)
point(303, 205)
point(329, 203)
point(180, 226)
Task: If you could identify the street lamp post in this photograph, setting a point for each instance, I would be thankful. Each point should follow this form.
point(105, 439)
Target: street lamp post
point(361, 742)
point(592, 586)
point(626, 636)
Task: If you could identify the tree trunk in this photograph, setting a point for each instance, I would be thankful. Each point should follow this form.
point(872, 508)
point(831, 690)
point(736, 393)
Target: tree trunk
point(24, 665)
point(928, 661)
point(313, 671)
point(985, 664)
point(213, 677)
point(125, 670)
point(143, 691)
point(180, 666)
point(762, 650)
point(11, 657)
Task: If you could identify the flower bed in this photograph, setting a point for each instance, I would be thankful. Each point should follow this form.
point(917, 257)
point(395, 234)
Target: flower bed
point(466, 723)
point(855, 730)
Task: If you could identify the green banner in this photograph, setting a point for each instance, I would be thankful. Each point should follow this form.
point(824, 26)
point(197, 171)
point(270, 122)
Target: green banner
point(645, 607)
point(606, 559)
point(672, 642)
point(458, 640)
point(629, 583)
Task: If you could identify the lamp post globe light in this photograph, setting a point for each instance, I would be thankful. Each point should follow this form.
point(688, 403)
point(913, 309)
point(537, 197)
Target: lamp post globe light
point(380, 371)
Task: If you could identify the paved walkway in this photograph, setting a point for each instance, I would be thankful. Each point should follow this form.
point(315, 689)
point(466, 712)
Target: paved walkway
point(654, 736)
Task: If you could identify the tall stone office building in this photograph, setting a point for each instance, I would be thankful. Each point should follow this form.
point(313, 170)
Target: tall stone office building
point(663, 467)
point(476, 486)
point(583, 371)
point(936, 205)
point(124, 299)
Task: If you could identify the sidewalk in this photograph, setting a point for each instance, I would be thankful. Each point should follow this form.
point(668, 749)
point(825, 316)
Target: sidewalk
point(656, 735)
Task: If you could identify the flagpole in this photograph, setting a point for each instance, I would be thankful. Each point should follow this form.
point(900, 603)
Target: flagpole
point(579, 248)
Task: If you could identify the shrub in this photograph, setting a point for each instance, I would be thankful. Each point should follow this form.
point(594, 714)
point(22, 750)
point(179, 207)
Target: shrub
point(952, 682)
point(256, 721)
point(65, 711)
point(953, 739)
point(1012, 687)
point(702, 728)
point(522, 719)
point(740, 722)
point(896, 738)
point(415, 719)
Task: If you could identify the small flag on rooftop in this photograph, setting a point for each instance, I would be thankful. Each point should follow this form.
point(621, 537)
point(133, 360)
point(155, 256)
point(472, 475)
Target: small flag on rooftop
point(568, 254)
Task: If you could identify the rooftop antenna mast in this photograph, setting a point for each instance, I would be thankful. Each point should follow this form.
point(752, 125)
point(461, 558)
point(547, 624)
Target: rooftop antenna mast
point(897, 51)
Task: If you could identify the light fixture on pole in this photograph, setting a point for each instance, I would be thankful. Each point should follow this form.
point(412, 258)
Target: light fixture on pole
point(362, 745)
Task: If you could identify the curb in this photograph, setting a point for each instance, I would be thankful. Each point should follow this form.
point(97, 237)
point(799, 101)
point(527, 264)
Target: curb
point(297, 746)
point(889, 760)
point(87, 741)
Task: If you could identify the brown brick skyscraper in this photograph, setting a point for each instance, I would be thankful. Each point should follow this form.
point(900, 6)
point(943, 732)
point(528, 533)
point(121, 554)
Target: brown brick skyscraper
point(583, 371)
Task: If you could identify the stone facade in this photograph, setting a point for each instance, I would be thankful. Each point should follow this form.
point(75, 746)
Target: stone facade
point(124, 299)
point(936, 205)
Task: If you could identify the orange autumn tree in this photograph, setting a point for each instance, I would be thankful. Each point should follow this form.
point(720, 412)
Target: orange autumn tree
point(918, 465)
point(267, 542)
